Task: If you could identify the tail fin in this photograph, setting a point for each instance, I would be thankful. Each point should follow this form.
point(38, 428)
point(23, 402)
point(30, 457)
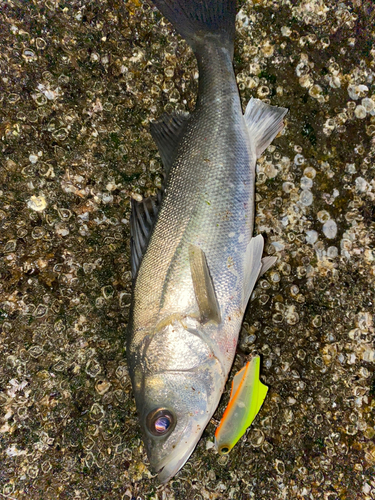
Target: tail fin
point(194, 19)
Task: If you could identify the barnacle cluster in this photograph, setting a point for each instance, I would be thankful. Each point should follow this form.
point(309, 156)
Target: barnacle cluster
point(80, 82)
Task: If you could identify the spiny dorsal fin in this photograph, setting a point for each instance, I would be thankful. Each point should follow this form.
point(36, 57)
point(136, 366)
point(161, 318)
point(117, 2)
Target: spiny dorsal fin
point(142, 219)
point(167, 132)
point(263, 122)
point(203, 286)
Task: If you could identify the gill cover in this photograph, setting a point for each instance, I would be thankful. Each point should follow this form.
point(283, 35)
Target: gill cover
point(246, 398)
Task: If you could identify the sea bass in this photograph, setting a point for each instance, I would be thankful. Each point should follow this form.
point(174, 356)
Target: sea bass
point(194, 258)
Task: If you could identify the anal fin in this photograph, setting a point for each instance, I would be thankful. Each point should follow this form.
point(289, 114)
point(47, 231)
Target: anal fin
point(263, 123)
point(203, 286)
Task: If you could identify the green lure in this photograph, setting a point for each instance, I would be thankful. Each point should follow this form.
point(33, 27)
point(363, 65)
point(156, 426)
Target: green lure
point(246, 399)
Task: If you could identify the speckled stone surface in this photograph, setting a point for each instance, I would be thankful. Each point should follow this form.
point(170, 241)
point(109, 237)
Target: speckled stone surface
point(79, 83)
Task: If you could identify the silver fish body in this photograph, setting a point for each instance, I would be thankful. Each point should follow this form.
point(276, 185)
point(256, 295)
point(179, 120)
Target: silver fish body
point(196, 274)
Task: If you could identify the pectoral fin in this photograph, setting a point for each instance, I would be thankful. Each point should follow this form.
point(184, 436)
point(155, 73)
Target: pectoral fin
point(246, 399)
point(203, 286)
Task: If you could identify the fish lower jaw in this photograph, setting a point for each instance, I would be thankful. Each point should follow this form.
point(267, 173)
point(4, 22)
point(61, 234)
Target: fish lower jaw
point(169, 469)
point(165, 474)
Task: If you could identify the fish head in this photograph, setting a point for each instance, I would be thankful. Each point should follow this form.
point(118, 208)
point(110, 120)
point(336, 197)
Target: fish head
point(177, 388)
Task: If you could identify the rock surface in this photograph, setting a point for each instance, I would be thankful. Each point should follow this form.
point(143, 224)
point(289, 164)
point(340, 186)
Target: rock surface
point(79, 83)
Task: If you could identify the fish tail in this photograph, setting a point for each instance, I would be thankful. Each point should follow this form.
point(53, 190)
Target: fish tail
point(198, 20)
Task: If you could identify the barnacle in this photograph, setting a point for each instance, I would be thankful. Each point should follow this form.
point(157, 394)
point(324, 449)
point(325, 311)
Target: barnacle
point(80, 83)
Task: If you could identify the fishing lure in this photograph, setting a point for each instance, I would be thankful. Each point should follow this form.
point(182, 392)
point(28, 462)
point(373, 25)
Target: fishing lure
point(246, 399)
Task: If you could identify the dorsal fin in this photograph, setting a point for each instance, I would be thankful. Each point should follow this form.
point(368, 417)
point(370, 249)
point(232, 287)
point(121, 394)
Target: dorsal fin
point(167, 132)
point(142, 220)
point(203, 286)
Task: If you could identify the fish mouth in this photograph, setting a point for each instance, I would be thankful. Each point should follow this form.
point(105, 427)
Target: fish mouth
point(174, 462)
point(168, 471)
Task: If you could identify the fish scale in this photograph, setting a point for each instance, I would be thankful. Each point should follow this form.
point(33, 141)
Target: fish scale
point(203, 184)
point(197, 266)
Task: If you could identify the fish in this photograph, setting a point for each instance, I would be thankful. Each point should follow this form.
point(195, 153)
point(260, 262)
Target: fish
point(245, 401)
point(194, 258)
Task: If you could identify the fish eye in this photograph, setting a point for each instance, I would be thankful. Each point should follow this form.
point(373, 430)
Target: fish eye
point(160, 422)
